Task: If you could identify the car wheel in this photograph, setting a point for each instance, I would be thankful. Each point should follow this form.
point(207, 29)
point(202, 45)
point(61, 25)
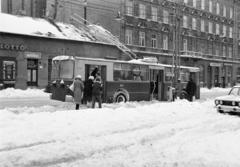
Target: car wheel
point(121, 98)
point(220, 111)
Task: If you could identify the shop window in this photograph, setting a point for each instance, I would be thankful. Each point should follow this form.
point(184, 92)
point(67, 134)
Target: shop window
point(9, 70)
point(130, 72)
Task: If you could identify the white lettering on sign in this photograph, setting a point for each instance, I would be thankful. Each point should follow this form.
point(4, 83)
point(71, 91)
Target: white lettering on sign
point(216, 64)
point(33, 55)
point(5, 46)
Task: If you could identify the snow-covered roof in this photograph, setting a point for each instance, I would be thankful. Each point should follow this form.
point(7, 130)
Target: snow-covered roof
point(24, 25)
point(40, 27)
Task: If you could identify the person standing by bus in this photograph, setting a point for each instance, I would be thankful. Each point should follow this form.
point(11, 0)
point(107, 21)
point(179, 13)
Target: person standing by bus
point(78, 90)
point(191, 89)
point(97, 93)
point(88, 90)
point(95, 72)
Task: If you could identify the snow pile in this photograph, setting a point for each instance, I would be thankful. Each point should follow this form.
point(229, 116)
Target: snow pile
point(132, 134)
point(16, 93)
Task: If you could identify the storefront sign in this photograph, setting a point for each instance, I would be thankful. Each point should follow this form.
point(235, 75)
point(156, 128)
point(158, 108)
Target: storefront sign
point(15, 47)
point(156, 67)
point(227, 64)
point(33, 55)
point(215, 64)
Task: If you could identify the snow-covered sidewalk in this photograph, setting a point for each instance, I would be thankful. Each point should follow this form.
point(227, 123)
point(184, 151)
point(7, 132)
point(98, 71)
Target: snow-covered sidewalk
point(146, 134)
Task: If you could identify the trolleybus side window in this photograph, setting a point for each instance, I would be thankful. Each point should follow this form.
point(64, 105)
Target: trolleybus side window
point(168, 74)
point(184, 75)
point(66, 69)
point(130, 72)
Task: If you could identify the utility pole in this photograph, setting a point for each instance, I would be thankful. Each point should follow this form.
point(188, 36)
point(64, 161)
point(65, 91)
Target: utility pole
point(85, 11)
point(235, 32)
point(176, 42)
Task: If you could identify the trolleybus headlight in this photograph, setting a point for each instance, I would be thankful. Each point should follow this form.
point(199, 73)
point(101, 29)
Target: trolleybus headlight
point(238, 104)
point(221, 102)
point(233, 103)
point(216, 102)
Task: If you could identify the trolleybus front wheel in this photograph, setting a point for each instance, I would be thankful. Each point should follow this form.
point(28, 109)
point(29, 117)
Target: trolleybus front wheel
point(120, 98)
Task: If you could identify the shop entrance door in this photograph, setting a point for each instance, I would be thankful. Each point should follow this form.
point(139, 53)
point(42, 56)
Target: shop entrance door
point(32, 72)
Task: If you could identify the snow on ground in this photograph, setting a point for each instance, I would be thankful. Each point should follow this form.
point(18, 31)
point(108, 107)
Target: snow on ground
point(134, 134)
point(16, 93)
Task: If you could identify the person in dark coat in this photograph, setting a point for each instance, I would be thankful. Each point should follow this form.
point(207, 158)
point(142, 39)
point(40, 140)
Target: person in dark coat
point(96, 93)
point(191, 89)
point(94, 72)
point(88, 90)
point(78, 90)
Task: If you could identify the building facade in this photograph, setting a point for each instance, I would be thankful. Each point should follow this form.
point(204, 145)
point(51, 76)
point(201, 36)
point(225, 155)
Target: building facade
point(201, 33)
point(27, 60)
point(32, 8)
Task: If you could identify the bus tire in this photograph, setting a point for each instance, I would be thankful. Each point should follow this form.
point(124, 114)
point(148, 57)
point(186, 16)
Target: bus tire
point(121, 96)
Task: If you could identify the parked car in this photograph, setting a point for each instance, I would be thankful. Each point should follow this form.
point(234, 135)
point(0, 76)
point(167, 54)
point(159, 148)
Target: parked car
point(230, 102)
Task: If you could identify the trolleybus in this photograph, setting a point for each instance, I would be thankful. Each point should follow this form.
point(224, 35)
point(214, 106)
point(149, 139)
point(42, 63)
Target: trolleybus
point(133, 80)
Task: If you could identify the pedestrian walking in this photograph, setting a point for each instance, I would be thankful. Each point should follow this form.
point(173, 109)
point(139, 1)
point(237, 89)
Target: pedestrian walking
point(191, 89)
point(78, 90)
point(88, 90)
point(97, 93)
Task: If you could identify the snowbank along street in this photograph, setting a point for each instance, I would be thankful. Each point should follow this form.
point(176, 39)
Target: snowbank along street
point(126, 134)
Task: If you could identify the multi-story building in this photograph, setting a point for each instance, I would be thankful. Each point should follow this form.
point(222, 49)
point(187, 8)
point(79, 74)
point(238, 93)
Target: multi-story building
point(33, 8)
point(201, 33)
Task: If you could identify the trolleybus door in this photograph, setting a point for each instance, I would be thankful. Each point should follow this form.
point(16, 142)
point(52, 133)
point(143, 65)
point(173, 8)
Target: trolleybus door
point(102, 69)
point(156, 83)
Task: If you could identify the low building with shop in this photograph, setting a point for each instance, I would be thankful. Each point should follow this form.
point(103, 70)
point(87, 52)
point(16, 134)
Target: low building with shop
point(28, 45)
